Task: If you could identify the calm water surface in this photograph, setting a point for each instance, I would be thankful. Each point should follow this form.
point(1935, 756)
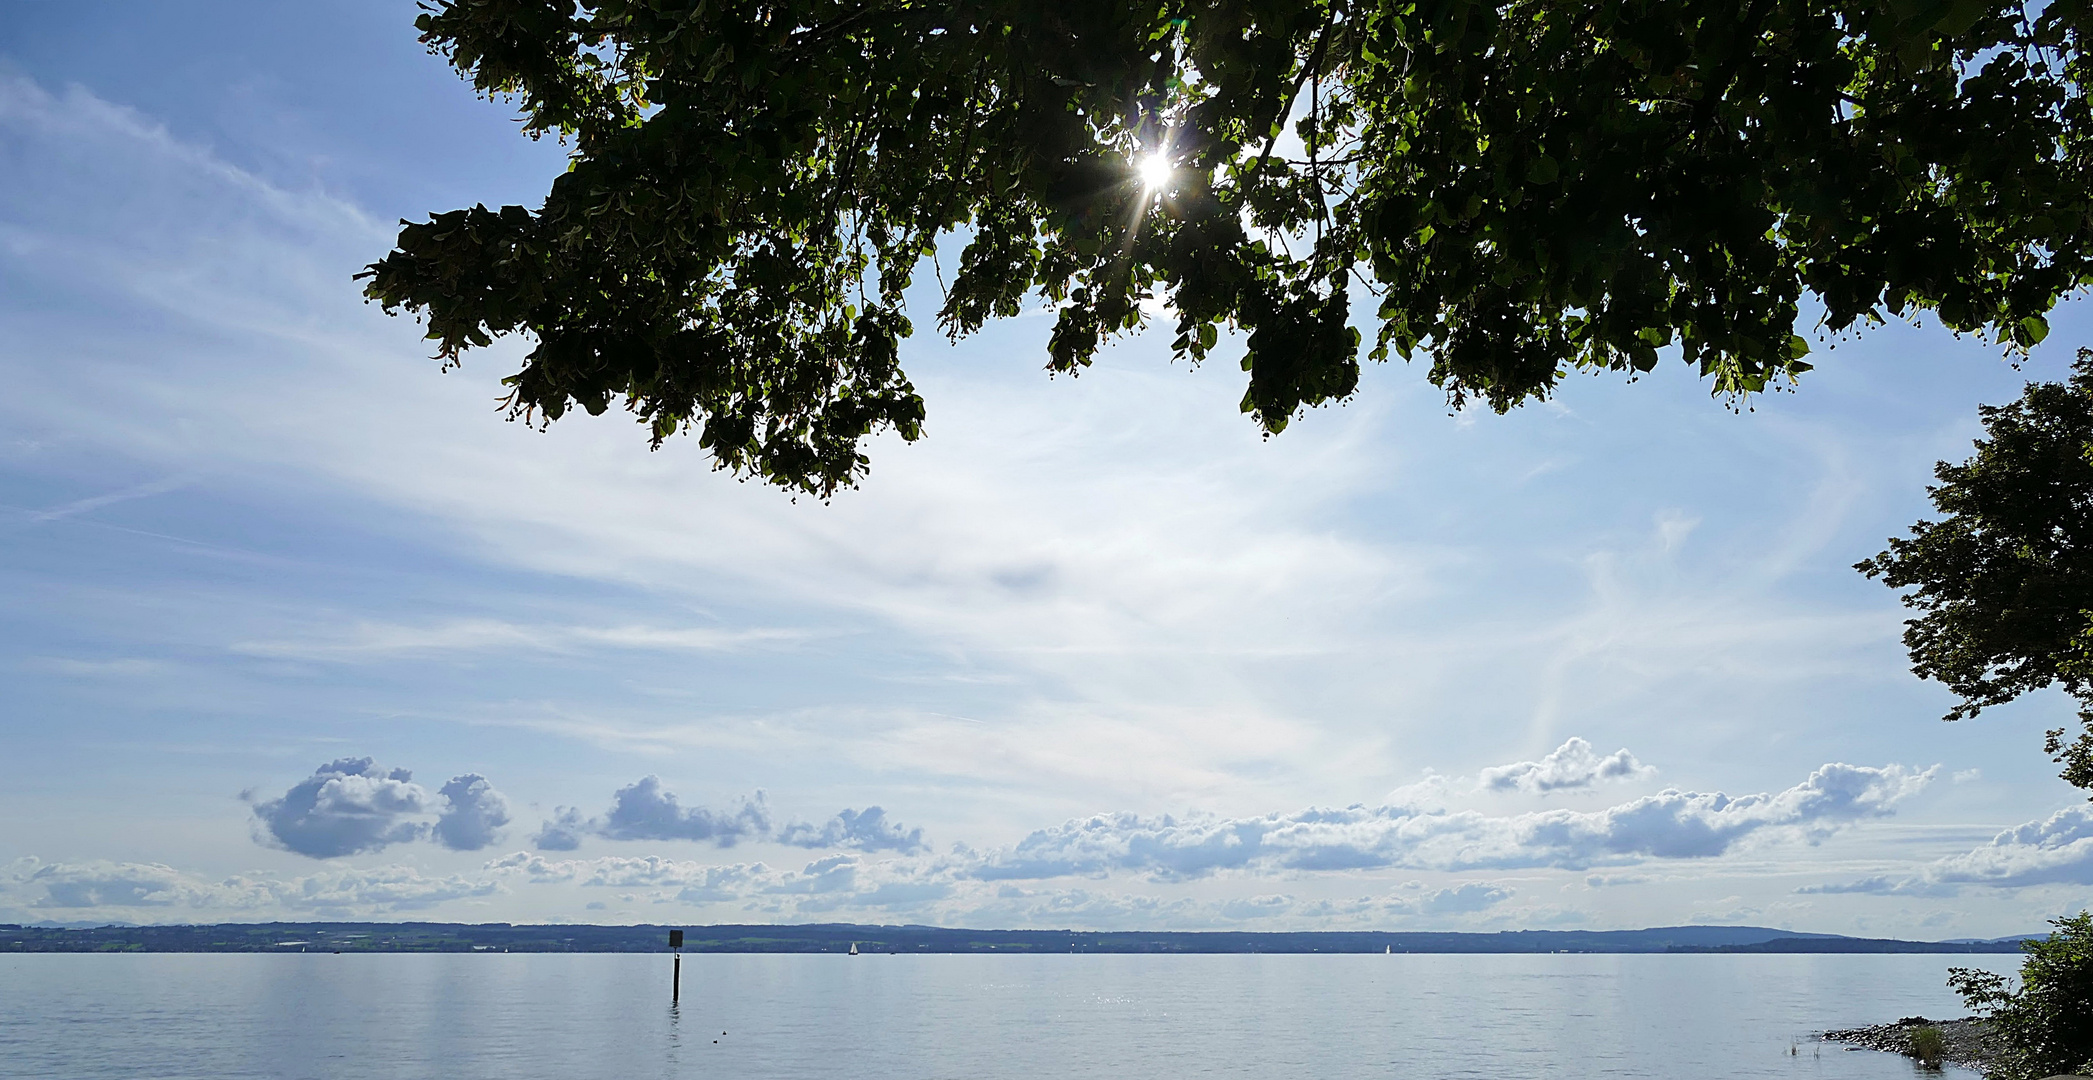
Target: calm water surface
point(569, 1017)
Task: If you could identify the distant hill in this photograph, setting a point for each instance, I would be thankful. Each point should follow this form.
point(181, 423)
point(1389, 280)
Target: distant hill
point(1859, 945)
point(839, 937)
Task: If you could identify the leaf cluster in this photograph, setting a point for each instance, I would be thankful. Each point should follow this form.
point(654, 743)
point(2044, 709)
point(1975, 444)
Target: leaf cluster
point(1520, 188)
point(2005, 578)
point(2044, 1026)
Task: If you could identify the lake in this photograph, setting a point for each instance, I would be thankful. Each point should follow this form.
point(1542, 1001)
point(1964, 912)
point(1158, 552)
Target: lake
point(878, 1017)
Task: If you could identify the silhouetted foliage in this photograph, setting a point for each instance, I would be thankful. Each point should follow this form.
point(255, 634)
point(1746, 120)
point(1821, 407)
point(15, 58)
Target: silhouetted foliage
point(2005, 578)
point(1525, 187)
point(2043, 1027)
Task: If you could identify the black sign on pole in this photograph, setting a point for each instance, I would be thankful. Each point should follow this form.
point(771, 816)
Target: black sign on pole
point(676, 979)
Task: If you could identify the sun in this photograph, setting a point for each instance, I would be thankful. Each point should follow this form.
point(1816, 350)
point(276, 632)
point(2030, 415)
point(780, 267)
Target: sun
point(1155, 171)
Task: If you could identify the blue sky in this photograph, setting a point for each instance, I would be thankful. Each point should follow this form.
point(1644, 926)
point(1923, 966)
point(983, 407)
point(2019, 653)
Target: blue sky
point(298, 627)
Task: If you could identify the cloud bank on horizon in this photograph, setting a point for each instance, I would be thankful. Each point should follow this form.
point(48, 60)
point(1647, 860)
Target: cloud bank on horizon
point(1669, 825)
point(2057, 850)
point(351, 805)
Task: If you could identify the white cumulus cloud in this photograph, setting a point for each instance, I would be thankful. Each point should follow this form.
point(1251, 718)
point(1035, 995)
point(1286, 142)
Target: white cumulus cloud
point(473, 813)
point(350, 805)
point(346, 806)
point(865, 830)
point(1668, 825)
point(1569, 766)
point(2057, 850)
point(646, 810)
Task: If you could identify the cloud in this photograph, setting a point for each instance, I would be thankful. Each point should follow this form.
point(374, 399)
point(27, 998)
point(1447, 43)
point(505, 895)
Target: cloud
point(1255, 907)
point(719, 884)
point(1413, 900)
point(382, 641)
point(1466, 898)
point(1083, 907)
point(345, 807)
point(1571, 765)
point(150, 889)
point(642, 810)
point(903, 894)
point(96, 502)
point(391, 889)
point(349, 806)
point(2057, 850)
point(1729, 909)
point(563, 832)
point(473, 813)
point(836, 873)
point(867, 830)
point(826, 884)
point(1884, 885)
point(107, 884)
point(616, 871)
point(1669, 825)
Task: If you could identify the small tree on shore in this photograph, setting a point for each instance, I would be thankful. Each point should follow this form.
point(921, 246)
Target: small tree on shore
point(2044, 1027)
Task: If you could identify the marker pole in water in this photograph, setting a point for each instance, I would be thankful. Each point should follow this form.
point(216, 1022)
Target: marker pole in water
point(676, 980)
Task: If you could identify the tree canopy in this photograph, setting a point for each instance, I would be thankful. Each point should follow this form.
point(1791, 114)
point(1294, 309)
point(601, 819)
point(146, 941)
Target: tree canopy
point(2005, 578)
point(1516, 189)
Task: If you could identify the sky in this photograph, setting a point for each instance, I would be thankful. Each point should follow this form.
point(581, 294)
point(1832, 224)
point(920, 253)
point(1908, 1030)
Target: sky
point(297, 626)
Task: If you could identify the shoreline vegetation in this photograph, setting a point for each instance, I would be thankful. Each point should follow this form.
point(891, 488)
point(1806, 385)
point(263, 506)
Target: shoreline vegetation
point(841, 937)
point(1962, 1041)
point(2036, 1027)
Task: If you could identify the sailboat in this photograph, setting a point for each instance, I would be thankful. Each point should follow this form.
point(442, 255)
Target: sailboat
point(1388, 951)
point(853, 948)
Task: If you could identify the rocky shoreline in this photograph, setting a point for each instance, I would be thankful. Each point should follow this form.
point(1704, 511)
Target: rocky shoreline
point(1964, 1038)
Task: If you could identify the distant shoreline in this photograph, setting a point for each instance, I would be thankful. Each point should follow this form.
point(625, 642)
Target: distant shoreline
point(428, 937)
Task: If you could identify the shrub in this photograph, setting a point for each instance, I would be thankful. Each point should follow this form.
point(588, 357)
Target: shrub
point(1929, 1046)
point(2044, 1026)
